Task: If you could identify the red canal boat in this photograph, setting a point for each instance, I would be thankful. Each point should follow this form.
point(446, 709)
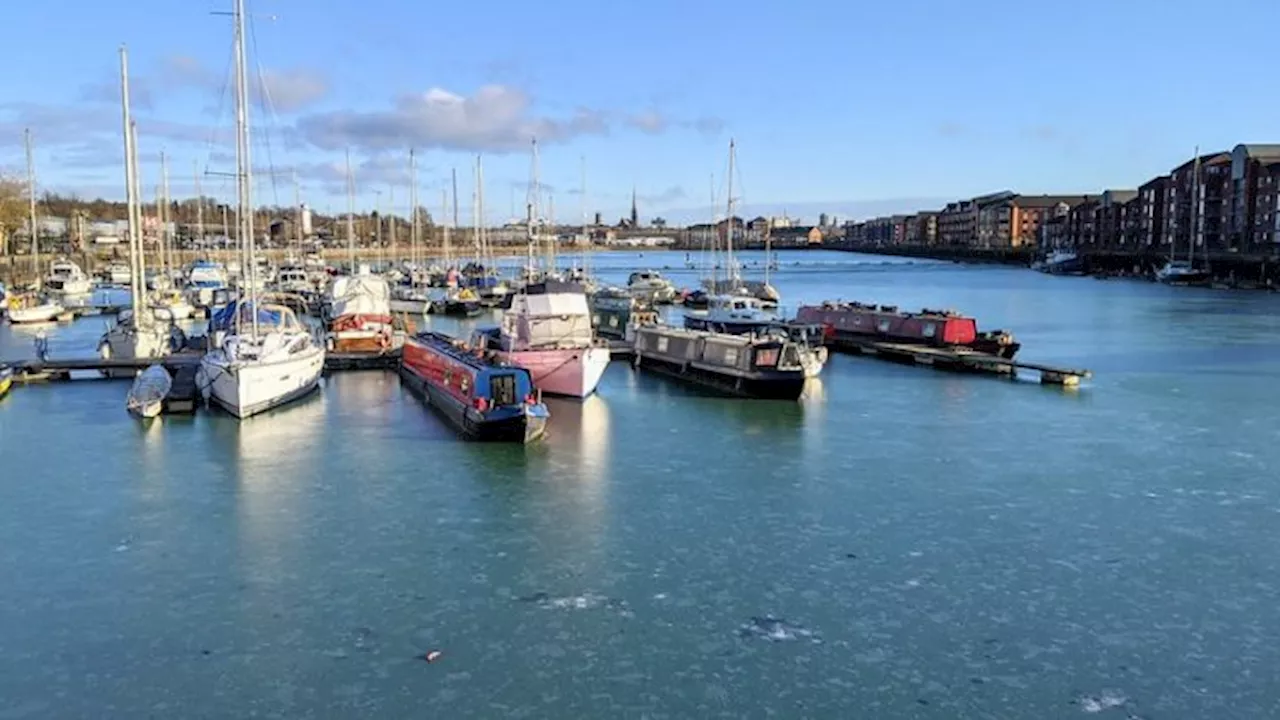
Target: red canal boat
point(885, 323)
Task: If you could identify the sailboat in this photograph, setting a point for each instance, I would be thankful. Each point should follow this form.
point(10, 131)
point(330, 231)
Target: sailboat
point(1184, 272)
point(266, 358)
point(33, 306)
point(731, 307)
point(137, 333)
point(412, 298)
point(548, 330)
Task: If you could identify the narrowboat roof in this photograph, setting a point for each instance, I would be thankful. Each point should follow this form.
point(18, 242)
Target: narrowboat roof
point(455, 349)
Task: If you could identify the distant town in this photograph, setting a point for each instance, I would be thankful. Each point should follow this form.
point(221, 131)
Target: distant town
point(1219, 203)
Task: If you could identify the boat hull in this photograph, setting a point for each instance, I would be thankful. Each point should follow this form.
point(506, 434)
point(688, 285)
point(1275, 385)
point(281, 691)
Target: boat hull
point(126, 343)
point(38, 314)
point(519, 425)
point(173, 311)
point(783, 387)
point(412, 307)
point(571, 372)
point(6, 380)
point(245, 389)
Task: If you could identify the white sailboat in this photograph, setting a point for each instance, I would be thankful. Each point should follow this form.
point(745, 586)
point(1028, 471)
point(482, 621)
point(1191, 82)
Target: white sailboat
point(1185, 272)
point(268, 358)
point(136, 334)
point(168, 303)
point(33, 307)
point(413, 298)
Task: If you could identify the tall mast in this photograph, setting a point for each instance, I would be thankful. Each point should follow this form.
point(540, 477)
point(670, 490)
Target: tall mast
point(244, 165)
point(453, 194)
point(475, 211)
point(728, 241)
point(1195, 208)
point(391, 226)
point(444, 217)
point(351, 214)
point(297, 212)
point(163, 214)
point(199, 204)
point(137, 209)
point(31, 199)
point(550, 237)
point(483, 260)
point(586, 235)
point(711, 247)
point(131, 200)
point(413, 222)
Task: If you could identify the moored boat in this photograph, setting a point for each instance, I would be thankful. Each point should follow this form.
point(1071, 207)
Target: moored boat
point(150, 388)
point(33, 307)
point(257, 364)
point(360, 313)
point(767, 366)
point(1182, 272)
point(116, 274)
point(483, 400)
point(651, 287)
point(548, 332)
point(67, 279)
point(885, 323)
point(735, 313)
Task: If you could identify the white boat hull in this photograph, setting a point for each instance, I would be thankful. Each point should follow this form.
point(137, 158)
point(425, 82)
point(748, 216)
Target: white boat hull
point(74, 288)
point(38, 314)
point(173, 311)
point(246, 388)
point(123, 342)
point(412, 307)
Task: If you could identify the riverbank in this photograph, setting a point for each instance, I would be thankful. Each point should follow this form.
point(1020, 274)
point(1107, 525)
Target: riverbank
point(1228, 269)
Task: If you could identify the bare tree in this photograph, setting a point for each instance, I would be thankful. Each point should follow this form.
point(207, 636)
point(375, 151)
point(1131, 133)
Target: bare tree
point(13, 209)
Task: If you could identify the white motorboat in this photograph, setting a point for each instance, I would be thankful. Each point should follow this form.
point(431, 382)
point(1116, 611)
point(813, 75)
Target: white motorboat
point(66, 279)
point(33, 308)
point(651, 287)
point(150, 388)
point(263, 364)
point(293, 279)
point(734, 313)
point(116, 274)
point(411, 300)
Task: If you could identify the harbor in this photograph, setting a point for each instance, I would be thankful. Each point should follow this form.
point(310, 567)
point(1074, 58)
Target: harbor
point(868, 513)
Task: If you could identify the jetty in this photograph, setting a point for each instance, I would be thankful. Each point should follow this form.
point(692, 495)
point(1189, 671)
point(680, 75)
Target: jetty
point(958, 359)
point(57, 369)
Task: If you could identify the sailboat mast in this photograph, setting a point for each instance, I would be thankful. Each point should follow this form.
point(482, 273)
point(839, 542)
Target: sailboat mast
point(137, 209)
point(297, 211)
point(1195, 208)
point(163, 213)
point(484, 231)
point(351, 215)
point(711, 246)
point(391, 223)
point(732, 275)
point(535, 212)
point(586, 234)
point(475, 211)
point(453, 193)
point(31, 199)
point(244, 165)
point(413, 223)
point(444, 218)
point(195, 174)
point(131, 200)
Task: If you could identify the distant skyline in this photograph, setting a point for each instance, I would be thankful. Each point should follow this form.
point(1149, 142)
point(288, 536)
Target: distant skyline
point(835, 106)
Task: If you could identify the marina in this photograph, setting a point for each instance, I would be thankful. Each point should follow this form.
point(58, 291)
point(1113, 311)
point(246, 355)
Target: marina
point(849, 472)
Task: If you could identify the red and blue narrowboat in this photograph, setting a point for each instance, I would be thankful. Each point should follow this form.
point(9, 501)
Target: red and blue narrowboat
point(885, 323)
point(482, 399)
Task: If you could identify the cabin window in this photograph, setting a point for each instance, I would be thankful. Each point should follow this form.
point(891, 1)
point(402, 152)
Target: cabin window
point(448, 376)
point(767, 357)
point(929, 330)
point(502, 389)
point(883, 326)
point(662, 344)
point(613, 321)
point(465, 385)
point(731, 356)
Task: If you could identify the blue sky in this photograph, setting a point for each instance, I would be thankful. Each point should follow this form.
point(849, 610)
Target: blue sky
point(848, 105)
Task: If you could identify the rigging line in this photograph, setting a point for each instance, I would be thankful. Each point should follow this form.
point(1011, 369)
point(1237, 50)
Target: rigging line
point(221, 107)
point(272, 118)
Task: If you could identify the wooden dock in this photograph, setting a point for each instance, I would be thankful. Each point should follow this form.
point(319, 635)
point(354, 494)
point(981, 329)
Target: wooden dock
point(958, 360)
point(52, 369)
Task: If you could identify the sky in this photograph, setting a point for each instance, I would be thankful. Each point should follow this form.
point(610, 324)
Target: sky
point(854, 107)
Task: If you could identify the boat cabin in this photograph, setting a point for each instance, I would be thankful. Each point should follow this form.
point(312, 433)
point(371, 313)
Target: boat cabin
point(466, 375)
point(933, 327)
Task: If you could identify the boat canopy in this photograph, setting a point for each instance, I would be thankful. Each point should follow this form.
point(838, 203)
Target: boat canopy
point(225, 318)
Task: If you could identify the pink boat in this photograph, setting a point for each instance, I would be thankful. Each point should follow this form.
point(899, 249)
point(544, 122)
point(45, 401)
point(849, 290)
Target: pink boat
point(548, 332)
